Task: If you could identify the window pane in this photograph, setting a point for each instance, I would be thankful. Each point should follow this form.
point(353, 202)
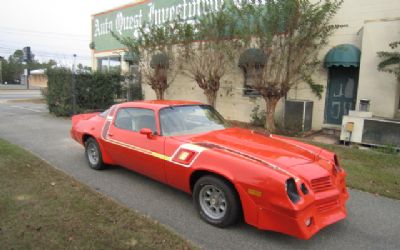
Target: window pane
point(249, 78)
point(193, 119)
point(112, 64)
point(135, 119)
point(104, 113)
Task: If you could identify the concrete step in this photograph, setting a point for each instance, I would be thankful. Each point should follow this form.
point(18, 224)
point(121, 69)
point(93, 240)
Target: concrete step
point(333, 130)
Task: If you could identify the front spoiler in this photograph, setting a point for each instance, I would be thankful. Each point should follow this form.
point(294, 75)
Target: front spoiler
point(322, 213)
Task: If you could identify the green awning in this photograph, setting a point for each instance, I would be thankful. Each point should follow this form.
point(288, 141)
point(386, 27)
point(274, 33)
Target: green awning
point(159, 60)
point(252, 56)
point(131, 57)
point(345, 55)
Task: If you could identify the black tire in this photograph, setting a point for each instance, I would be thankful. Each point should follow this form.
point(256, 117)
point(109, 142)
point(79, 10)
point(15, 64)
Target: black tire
point(232, 209)
point(92, 146)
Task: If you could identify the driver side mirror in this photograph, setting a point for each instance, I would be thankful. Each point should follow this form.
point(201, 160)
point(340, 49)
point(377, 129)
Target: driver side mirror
point(147, 132)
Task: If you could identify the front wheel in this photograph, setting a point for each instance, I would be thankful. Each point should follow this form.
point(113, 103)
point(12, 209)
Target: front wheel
point(216, 201)
point(93, 154)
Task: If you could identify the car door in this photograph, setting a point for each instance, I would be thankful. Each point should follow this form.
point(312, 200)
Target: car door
point(131, 149)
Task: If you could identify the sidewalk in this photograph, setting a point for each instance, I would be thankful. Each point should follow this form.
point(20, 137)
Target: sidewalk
point(17, 87)
point(19, 94)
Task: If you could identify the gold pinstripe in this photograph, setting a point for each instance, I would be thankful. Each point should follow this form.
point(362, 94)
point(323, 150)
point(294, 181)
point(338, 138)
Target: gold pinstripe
point(142, 150)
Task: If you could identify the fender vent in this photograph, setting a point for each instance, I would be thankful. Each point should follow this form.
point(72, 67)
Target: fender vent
point(321, 184)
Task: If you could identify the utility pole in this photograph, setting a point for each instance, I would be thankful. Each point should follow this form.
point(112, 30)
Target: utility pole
point(1, 70)
point(73, 86)
point(27, 57)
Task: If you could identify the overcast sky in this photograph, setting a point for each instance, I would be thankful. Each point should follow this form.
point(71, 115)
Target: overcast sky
point(53, 29)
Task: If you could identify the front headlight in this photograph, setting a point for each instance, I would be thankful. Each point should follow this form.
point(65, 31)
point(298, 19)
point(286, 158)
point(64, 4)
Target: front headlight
point(291, 190)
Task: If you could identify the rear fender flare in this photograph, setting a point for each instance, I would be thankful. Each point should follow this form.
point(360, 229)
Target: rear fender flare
point(106, 157)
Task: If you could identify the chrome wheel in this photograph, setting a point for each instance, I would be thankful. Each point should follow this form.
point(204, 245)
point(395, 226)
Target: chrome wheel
point(213, 202)
point(93, 154)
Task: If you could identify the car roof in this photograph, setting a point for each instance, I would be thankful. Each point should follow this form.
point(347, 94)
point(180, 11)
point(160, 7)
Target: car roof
point(158, 104)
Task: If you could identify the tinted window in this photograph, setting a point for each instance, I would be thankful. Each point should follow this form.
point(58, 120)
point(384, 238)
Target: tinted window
point(104, 113)
point(193, 119)
point(135, 119)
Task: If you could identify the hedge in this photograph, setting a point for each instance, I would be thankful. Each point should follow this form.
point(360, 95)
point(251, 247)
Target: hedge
point(93, 91)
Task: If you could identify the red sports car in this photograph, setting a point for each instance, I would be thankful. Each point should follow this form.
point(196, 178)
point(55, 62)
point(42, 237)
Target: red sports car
point(273, 182)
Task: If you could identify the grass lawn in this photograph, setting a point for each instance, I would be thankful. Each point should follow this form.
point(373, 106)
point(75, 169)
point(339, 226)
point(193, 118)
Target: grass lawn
point(42, 208)
point(369, 170)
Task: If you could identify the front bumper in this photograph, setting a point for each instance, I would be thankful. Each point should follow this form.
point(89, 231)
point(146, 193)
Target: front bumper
point(327, 208)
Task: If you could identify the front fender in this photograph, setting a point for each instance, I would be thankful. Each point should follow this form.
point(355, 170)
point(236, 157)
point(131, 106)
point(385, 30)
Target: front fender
point(249, 206)
point(257, 186)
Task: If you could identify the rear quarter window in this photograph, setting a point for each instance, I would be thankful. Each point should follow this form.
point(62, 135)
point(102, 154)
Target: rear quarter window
point(104, 113)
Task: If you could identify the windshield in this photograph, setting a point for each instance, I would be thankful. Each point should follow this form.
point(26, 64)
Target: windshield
point(193, 119)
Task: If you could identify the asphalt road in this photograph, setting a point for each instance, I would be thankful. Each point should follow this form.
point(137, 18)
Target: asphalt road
point(373, 222)
point(19, 94)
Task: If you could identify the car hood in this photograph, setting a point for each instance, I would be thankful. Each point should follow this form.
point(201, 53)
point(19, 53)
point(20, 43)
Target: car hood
point(261, 146)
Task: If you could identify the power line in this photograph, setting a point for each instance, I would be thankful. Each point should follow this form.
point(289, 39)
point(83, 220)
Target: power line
point(55, 36)
point(23, 43)
point(40, 32)
point(34, 51)
point(45, 53)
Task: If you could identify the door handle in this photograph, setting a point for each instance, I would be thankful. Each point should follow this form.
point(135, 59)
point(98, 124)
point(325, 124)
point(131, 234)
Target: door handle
point(110, 135)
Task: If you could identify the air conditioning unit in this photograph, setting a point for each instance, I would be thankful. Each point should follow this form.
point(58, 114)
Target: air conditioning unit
point(361, 127)
point(298, 115)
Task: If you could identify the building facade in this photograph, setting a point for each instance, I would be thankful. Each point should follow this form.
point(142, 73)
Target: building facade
point(348, 73)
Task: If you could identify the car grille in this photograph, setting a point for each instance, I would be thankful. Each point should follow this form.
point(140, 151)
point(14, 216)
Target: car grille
point(327, 205)
point(321, 184)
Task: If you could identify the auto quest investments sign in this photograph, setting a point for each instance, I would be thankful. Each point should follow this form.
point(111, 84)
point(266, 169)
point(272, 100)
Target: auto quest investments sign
point(125, 21)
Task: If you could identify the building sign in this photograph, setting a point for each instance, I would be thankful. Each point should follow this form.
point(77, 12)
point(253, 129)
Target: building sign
point(126, 21)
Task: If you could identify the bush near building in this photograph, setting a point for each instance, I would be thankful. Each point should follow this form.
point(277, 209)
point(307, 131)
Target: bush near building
point(93, 91)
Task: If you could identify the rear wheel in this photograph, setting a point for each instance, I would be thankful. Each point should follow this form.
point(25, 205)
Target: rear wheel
point(216, 201)
point(93, 154)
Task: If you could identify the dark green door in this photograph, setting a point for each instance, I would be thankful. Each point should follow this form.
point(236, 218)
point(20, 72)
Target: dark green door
point(342, 93)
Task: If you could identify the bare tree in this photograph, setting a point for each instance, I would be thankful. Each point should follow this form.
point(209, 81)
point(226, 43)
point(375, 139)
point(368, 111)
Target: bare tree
point(291, 33)
point(154, 54)
point(208, 50)
point(159, 70)
point(207, 65)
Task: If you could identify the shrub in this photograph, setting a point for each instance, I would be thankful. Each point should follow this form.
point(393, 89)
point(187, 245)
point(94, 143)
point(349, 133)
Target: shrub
point(257, 117)
point(59, 96)
point(97, 90)
point(93, 91)
point(135, 92)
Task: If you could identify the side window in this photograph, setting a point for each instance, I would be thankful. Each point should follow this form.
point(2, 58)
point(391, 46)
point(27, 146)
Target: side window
point(104, 113)
point(135, 119)
point(249, 78)
point(252, 62)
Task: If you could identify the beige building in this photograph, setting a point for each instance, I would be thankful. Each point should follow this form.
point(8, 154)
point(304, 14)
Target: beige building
point(38, 78)
point(349, 72)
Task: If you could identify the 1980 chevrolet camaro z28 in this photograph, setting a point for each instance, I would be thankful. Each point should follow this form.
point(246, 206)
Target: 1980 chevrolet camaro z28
point(273, 182)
